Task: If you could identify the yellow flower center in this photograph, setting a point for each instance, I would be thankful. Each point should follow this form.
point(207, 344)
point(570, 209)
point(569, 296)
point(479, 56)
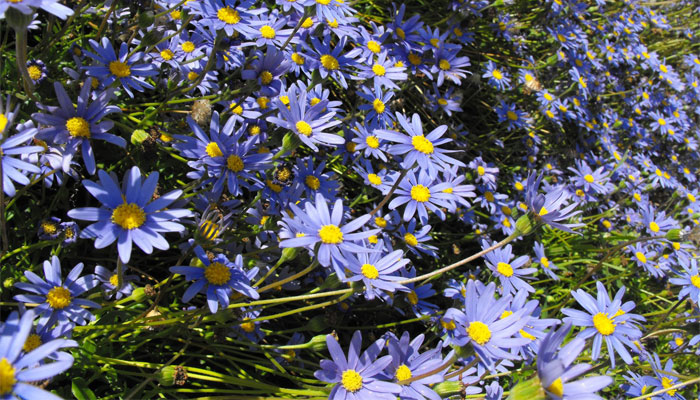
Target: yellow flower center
point(119, 69)
point(400, 33)
point(666, 382)
point(267, 32)
point(330, 234)
point(176, 14)
point(641, 257)
point(603, 324)
point(374, 47)
point(78, 127)
point(234, 163)
point(228, 15)
point(34, 72)
point(479, 332)
point(403, 373)
point(557, 388)
point(543, 211)
point(213, 150)
point(410, 239)
point(504, 314)
point(378, 70)
point(329, 62)
point(678, 341)
point(7, 377)
point(412, 297)
point(379, 221)
point(333, 23)
point(372, 141)
point(420, 193)
point(217, 273)
point(545, 262)
point(167, 54)
point(444, 65)
point(187, 46)
point(442, 102)
point(435, 42)
point(58, 297)
point(255, 130)
point(653, 226)
point(504, 269)
point(489, 196)
point(351, 380)
point(33, 341)
point(303, 128)
point(248, 326)
point(448, 325)
point(49, 227)
point(114, 280)
point(128, 216)
point(266, 77)
point(298, 58)
point(308, 23)
point(512, 115)
point(480, 170)
point(262, 101)
point(315, 101)
point(497, 74)
point(588, 178)
point(422, 144)
point(236, 108)
point(526, 335)
point(312, 182)
point(695, 281)
point(192, 75)
point(414, 59)
point(369, 271)
point(378, 106)
point(3, 122)
point(374, 179)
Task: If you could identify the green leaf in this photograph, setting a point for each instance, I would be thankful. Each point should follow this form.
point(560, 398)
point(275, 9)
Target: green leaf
point(81, 391)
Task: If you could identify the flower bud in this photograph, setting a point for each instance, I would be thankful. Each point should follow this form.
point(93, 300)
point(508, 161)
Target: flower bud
point(318, 343)
point(138, 295)
point(524, 225)
point(288, 254)
point(18, 20)
point(530, 389)
point(317, 324)
point(447, 389)
point(674, 235)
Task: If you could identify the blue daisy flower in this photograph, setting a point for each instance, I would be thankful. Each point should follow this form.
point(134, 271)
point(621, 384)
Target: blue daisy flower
point(556, 372)
point(28, 7)
point(128, 215)
point(124, 67)
point(689, 279)
point(219, 278)
point(315, 224)
point(550, 208)
point(76, 126)
point(19, 371)
point(606, 320)
point(480, 324)
point(357, 375)
point(422, 194)
point(13, 169)
point(510, 273)
point(308, 123)
point(110, 282)
point(407, 362)
point(419, 148)
point(379, 272)
point(497, 77)
point(58, 298)
point(547, 266)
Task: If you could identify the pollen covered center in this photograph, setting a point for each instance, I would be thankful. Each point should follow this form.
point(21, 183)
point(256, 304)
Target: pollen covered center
point(372, 142)
point(557, 388)
point(217, 273)
point(351, 380)
point(603, 324)
point(374, 179)
point(420, 193)
point(78, 127)
point(479, 332)
point(228, 15)
point(695, 281)
point(234, 163)
point(330, 234)
point(267, 32)
point(410, 239)
point(7, 377)
point(58, 297)
point(34, 72)
point(128, 216)
point(403, 373)
point(588, 178)
point(329, 62)
point(312, 182)
point(422, 144)
point(369, 271)
point(213, 150)
point(444, 65)
point(119, 69)
point(304, 128)
point(33, 341)
point(379, 70)
point(114, 280)
point(378, 106)
point(505, 269)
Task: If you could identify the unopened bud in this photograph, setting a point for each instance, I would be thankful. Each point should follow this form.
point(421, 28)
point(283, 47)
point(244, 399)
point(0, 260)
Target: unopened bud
point(674, 235)
point(448, 388)
point(530, 389)
point(318, 343)
point(524, 225)
point(138, 295)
